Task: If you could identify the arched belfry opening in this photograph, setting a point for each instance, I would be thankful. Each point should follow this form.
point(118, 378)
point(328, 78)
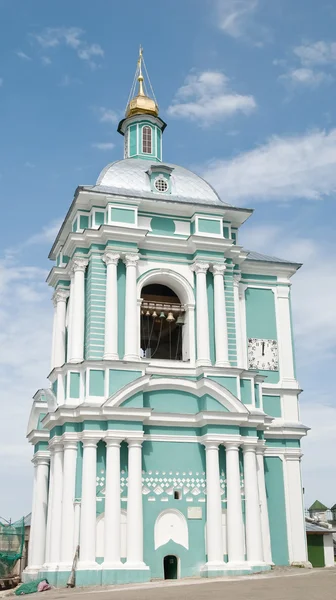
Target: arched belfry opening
point(162, 322)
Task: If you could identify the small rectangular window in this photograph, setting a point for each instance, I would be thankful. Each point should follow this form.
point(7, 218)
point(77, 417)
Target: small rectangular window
point(147, 140)
point(177, 494)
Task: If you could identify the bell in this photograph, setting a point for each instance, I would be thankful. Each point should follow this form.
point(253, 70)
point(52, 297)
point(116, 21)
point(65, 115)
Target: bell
point(147, 313)
point(162, 315)
point(180, 320)
point(154, 314)
point(170, 317)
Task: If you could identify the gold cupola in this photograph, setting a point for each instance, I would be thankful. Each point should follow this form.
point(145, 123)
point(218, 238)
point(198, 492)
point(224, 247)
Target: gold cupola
point(141, 103)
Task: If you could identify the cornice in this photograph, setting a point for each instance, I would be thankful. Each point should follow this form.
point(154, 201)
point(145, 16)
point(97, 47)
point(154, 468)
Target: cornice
point(285, 430)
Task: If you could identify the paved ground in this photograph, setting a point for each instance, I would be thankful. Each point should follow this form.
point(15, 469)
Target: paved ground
point(294, 584)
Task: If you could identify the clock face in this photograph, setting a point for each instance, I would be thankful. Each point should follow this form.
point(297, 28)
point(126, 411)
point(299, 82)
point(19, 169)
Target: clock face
point(263, 354)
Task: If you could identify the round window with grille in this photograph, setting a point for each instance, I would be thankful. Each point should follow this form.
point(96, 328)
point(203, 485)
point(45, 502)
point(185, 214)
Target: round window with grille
point(160, 184)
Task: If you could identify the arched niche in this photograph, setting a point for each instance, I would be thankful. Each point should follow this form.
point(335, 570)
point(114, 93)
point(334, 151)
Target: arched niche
point(171, 525)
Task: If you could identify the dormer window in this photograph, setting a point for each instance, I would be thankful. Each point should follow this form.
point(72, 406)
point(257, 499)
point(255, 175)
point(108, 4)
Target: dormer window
point(147, 140)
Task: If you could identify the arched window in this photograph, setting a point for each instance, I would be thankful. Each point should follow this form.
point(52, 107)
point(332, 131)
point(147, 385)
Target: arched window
point(162, 321)
point(147, 140)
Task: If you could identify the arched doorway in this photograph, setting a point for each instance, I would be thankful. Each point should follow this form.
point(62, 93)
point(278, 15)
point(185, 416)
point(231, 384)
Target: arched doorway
point(170, 566)
point(162, 320)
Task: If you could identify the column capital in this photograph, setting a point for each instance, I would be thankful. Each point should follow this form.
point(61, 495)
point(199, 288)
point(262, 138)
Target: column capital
point(113, 441)
point(211, 445)
point(41, 459)
point(79, 264)
point(70, 444)
point(199, 267)
point(55, 445)
point(236, 278)
point(131, 260)
point(249, 447)
point(110, 258)
point(60, 295)
point(232, 445)
point(260, 449)
point(218, 269)
point(90, 442)
point(283, 291)
point(134, 442)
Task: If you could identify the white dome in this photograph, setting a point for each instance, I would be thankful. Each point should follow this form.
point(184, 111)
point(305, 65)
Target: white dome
point(129, 177)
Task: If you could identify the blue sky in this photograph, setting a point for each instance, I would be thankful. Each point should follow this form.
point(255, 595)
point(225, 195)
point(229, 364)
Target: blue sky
point(247, 88)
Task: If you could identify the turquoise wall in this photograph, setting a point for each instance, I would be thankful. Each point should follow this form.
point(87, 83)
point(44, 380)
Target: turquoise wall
point(162, 226)
point(118, 379)
point(275, 492)
point(260, 314)
point(182, 459)
point(272, 405)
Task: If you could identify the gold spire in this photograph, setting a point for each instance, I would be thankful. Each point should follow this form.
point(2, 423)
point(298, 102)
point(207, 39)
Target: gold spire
point(141, 103)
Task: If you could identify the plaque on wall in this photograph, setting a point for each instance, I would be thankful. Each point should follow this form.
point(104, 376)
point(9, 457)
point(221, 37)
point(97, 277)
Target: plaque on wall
point(194, 512)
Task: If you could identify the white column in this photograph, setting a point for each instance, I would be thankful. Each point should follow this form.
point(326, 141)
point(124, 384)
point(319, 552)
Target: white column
point(134, 506)
point(87, 540)
point(265, 529)
point(58, 352)
point(68, 512)
point(131, 312)
point(284, 330)
point(235, 525)
point(49, 516)
point(112, 506)
point(213, 508)
point(56, 507)
point(77, 311)
point(37, 540)
point(254, 548)
point(221, 333)
point(295, 510)
point(69, 315)
point(202, 319)
point(111, 306)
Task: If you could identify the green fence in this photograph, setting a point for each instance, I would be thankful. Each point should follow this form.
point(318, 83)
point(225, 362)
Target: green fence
point(11, 546)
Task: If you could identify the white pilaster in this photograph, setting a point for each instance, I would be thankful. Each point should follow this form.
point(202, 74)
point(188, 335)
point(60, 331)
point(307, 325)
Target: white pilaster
point(58, 351)
point(56, 507)
point(37, 540)
point(68, 512)
point(241, 343)
point(254, 549)
point(202, 319)
point(77, 313)
point(111, 306)
point(286, 357)
point(221, 333)
point(87, 557)
point(112, 506)
point(134, 506)
point(295, 510)
point(235, 525)
point(213, 509)
point(132, 315)
point(265, 528)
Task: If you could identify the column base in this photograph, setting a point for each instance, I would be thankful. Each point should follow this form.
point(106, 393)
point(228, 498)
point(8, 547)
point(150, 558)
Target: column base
point(131, 357)
point(203, 362)
point(88, 565)
point(111, 357)
point(258, 566)
point(218, 569)
point(76, 360)
point(305, 564)
point(30, 573)
point(222, 364)
point(136, 565)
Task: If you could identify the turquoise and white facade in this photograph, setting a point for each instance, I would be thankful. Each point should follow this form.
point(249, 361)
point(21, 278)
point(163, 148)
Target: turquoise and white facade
point(193, 455)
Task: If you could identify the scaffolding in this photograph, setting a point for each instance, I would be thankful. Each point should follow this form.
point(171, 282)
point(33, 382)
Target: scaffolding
point(12, 536)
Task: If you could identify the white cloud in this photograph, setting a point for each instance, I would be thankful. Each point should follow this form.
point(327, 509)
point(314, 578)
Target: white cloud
point(67, 80)
point(206, 97)
point(283, 169)
point(72, 37)
point(317, 53)
point(103, 145)
point(307, 77)
point(310, 56)
point(45, 60)
point(234, 15)
point(23, 55)
point(107, 115)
